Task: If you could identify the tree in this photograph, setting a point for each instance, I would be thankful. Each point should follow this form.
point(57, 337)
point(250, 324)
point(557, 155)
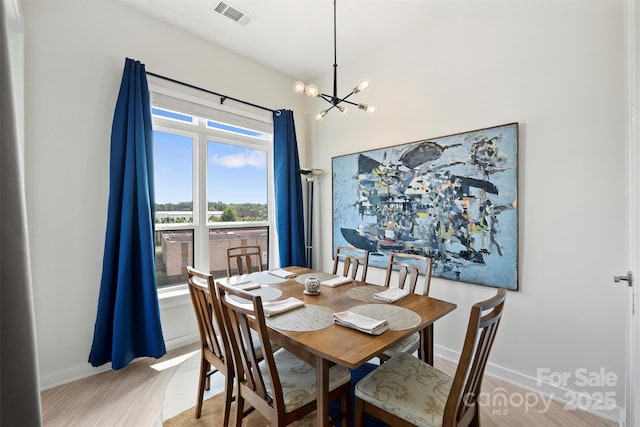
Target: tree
point(229, 214)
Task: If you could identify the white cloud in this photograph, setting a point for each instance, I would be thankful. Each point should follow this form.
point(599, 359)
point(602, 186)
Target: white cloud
point(254, 158)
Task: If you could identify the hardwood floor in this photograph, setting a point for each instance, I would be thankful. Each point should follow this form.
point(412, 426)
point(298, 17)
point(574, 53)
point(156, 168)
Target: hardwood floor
point(134, 396)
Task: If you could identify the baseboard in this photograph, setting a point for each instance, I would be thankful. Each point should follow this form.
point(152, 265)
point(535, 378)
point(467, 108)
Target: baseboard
point(70, 375)
point(572, 399)
point(86, 370)
point(182, 341)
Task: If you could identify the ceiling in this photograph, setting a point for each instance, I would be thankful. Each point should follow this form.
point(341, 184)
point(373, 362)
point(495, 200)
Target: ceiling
point(294, 36)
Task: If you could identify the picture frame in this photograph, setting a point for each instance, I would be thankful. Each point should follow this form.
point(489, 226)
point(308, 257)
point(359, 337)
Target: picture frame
point(453, 198)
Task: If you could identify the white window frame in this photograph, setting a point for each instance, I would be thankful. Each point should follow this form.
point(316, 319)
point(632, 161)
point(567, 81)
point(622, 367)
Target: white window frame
point(201, 135)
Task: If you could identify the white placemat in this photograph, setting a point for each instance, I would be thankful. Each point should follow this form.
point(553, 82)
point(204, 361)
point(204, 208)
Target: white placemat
point(399, 318)
point(308, 318)
point(365, 293)
point(268, 293)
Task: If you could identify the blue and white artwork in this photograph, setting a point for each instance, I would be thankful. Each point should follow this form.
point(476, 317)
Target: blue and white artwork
point(453, 198)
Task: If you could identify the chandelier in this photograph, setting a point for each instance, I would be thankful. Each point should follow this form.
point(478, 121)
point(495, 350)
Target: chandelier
point(334, 99)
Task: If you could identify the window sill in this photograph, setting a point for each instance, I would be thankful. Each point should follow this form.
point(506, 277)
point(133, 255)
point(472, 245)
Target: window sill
point(173, 296)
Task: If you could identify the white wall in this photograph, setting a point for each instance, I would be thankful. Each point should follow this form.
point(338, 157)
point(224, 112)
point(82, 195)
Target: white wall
point(74, 54)
point(557, 68)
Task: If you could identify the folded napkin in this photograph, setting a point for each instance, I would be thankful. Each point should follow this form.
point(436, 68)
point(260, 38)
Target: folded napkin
point(361, 323)
point(391, 295)
point(271, 308)
point(336, 281)
point(236, 280)
point(247, 286)
point(282, 273)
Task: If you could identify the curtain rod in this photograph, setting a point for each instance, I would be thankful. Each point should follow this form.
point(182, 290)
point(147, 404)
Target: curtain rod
point(222, 97)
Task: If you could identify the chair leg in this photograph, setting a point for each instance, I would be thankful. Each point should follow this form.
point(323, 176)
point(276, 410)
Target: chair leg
point(343, 419)
point(425, 350)
point(228, 392)
point(239, 409)
point(358, 413)
point(346, 407)
point(475, 421)
point(201, 386)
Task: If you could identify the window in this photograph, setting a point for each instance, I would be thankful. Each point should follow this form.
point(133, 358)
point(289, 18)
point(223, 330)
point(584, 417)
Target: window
point(212, 179)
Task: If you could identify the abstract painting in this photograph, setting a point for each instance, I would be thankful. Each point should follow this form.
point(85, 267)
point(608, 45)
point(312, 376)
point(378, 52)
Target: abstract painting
point(452, 198)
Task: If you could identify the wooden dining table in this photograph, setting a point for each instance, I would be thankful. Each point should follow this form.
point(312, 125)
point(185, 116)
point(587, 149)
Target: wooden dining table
point(344, 346)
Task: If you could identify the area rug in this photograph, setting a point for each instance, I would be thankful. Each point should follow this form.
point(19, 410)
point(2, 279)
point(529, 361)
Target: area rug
point(212, 411)
point(212, 416)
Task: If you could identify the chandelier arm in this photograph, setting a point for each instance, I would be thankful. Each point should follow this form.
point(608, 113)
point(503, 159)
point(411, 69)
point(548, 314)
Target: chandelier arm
point(340, 100)
point(349, 102)
point(326, 97)
point(330, 108)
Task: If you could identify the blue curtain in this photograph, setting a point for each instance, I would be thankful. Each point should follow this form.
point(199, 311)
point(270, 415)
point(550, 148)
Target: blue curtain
point(128, 319)
point(288, 190)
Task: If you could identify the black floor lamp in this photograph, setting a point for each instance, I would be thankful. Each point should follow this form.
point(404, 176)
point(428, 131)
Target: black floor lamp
point(309, 175)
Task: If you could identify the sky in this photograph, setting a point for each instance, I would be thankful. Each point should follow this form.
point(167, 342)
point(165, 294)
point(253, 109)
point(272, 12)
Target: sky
point(234, 174)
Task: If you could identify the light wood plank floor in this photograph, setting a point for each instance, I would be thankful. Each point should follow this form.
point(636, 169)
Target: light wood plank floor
point(134, 396)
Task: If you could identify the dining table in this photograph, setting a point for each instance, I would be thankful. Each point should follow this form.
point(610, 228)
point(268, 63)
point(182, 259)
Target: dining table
point(315, 338)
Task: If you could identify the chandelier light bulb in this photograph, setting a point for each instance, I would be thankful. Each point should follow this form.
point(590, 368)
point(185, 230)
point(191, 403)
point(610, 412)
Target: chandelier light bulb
point(368, 108)
point(312, 90)
point(321, 115)
point(342, 108)
point(363, 85)
point(298, 87)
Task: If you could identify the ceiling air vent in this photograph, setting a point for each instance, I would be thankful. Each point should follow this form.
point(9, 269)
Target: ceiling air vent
point(232, 13)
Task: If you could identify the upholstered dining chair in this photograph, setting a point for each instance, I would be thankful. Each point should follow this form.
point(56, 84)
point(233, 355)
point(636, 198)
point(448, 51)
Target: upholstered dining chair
point(351, 259)
point(281, 387)
point(410, 268)
point(406, 391)
point(243, 259)
point(215, 353)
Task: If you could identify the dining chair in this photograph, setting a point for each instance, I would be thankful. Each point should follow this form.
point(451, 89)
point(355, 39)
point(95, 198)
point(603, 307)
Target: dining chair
point(215, 353)
point(410, 267)
point(351, 259)
point(244, 259)
point(406, 391)
point(281, 387)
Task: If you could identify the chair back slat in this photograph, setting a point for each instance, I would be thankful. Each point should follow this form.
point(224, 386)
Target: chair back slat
point(239, 320)
point(411, 267)
point(243, 259)
point(215, 352)
point(201, 289)
point(483, 325)
point(250, 360)
point(352, 260)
